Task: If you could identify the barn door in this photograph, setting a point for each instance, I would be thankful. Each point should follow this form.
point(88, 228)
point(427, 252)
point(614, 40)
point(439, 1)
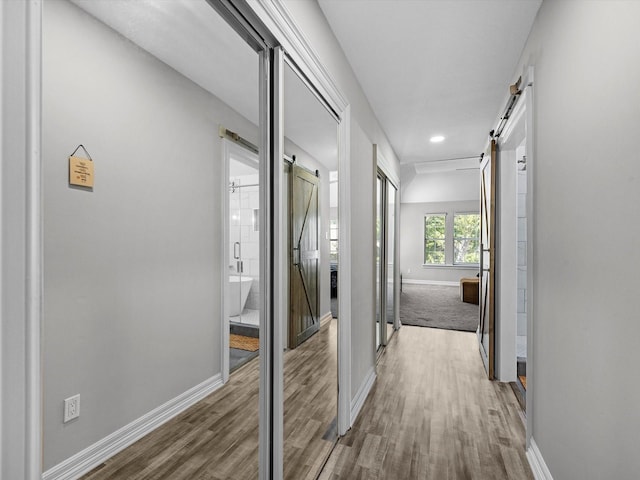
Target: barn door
point(304, 255)
point(486, 330)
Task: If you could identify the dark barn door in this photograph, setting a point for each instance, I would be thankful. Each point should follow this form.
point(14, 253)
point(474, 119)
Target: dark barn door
point(304, 256)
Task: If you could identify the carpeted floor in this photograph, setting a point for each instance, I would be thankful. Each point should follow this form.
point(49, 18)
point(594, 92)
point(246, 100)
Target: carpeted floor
point(437, 306)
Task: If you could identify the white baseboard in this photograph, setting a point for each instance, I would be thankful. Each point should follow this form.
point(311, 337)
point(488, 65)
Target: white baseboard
point(430, 282)
point(537, 463)
point(99, 452)
point(326, 318)
point(362, 394)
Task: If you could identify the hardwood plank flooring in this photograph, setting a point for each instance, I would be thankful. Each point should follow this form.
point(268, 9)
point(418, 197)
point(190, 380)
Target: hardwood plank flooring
point(218, 437)
point(432, 414)
point(311, 403)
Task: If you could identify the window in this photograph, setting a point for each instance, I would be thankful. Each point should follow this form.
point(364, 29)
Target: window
point(434, 236)
point(466, 241)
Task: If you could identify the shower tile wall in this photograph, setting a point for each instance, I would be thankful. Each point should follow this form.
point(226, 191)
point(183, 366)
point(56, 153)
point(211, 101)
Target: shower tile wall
point(522, 251)
point(243, 208)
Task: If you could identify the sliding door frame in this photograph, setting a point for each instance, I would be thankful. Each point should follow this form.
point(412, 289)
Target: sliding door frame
point(382, 269)
point(308, 66)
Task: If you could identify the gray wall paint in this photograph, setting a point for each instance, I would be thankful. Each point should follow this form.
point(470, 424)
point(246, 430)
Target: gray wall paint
point(132, 269)
point(363, 291)
point(586, 233)
point(453, 186)
point(412, 241)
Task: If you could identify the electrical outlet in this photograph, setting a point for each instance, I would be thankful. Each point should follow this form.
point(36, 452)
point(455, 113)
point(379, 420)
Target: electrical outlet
point(71, 408)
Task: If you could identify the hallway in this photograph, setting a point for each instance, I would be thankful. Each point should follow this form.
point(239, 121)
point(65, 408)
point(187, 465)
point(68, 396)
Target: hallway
point(433, 414)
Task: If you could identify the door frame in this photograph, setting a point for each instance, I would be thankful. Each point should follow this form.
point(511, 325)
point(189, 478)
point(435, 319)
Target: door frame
point(301, 57)
point(383, 169)
point(524, 112)
point(229, 149)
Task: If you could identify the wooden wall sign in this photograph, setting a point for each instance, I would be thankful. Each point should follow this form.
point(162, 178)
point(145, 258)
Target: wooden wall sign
point(80, 169)
point(80, 172)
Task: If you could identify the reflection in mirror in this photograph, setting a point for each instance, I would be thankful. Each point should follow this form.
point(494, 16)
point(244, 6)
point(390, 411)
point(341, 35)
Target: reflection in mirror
point(310, 362)
point(135, 318)
point(379, 259)
point(390, 256)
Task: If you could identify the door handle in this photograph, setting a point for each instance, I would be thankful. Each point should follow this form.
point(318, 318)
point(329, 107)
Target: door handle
point(236, 250)
point(296, 256)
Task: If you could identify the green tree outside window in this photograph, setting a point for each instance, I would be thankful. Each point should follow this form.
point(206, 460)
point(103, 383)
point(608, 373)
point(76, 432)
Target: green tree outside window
point(466, 238)
point(434, 238)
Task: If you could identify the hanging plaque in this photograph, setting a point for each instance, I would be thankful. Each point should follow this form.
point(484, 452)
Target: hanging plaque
point(80, 172)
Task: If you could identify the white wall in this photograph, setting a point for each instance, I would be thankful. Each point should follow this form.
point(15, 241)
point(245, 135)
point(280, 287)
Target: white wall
point(586, 192)
point(412, 242)
point(453, 186)
point(363, 290)
point(132, 268)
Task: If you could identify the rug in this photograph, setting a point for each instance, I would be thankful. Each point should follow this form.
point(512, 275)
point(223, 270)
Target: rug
point(437, 306)
point(250, 344)
point(523, 380)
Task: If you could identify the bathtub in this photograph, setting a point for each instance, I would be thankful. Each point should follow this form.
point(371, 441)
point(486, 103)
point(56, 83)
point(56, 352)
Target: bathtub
point(238, 289)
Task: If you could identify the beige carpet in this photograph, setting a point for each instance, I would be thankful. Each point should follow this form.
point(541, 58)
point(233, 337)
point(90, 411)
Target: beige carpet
point(437, 306)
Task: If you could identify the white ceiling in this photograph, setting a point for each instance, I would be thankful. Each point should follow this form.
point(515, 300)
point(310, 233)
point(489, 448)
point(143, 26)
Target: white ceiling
point(193, 39)
point(427, 66)
point(433, 67)
point(190, 37)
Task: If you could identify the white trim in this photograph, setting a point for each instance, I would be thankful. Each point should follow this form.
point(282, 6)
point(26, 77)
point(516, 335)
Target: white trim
point(99, 452)
point(537, 463)
point(344, 273)
point(20, 274)
point(454, 266)
point(224, 286)
point(281, 23)
point(531, 166)
point(412, 281)
point(362, 394)
point(229, 149)
point(326, 318)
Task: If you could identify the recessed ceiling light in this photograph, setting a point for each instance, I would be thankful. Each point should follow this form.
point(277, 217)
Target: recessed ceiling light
point(436, 139)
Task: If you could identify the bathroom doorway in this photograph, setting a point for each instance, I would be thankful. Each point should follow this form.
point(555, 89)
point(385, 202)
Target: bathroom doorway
point(243, 284)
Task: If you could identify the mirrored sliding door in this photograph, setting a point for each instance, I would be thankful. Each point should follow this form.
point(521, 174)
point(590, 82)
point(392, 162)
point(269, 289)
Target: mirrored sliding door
point(386, 266)
point(310, 359)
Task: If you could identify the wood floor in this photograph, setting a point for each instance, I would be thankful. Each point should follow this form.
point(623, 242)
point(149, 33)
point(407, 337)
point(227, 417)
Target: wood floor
point(218, 437)
point(432, 414)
